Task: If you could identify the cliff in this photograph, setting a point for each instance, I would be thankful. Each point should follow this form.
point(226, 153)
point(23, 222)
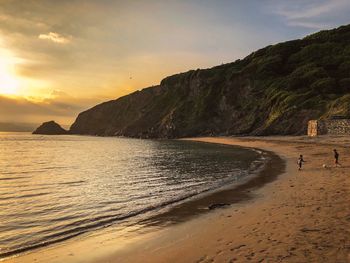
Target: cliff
point(50, 128)
point(274, 90)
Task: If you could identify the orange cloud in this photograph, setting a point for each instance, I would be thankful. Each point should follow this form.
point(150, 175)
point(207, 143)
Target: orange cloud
point(55, 37)
point(59, 106)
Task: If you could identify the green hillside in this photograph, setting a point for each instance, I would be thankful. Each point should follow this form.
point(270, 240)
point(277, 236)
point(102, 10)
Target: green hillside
point(274, 90)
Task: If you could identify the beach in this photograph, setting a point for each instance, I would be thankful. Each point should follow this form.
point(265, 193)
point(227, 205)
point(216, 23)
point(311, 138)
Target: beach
point(301, 216)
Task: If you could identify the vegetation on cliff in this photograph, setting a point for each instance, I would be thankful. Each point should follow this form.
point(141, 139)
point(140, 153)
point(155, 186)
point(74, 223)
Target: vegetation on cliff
point(274, 90)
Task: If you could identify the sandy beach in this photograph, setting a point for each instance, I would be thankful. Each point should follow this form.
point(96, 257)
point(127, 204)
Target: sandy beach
point(302, 216)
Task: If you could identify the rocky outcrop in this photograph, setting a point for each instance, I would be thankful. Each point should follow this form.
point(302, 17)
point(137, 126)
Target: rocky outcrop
point(275, 90)
point(50, 128)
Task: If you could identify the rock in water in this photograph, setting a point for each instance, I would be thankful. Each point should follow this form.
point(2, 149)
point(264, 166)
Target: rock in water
point(50, 128)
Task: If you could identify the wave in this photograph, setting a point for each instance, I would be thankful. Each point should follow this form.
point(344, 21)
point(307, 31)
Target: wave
point(23, 196)
point(12, 178)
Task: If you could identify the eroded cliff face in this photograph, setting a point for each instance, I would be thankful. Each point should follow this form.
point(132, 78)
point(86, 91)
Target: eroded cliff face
point(189, 104)
point(275, 90)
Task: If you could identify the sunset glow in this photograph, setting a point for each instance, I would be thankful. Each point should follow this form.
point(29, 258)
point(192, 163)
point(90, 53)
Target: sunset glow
point(174, 131)
point(108, 49)
point(9, 84)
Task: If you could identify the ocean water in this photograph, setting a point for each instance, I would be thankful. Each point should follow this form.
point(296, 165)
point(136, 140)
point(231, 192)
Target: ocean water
point(53, 188)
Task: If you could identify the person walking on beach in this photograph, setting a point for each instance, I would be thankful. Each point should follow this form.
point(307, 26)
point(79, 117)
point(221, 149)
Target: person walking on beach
point(300, 162)
point(336, 158)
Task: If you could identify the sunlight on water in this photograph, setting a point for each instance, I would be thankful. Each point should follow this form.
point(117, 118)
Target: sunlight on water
point(54, 188)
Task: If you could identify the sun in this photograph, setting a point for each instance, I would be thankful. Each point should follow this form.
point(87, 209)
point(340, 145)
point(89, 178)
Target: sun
point(9, 84)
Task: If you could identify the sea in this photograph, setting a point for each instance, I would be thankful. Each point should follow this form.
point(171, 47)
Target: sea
point(54, 188)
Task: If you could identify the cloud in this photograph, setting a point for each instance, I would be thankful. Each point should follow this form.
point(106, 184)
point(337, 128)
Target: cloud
point(310, 25)
point(60, 107)
point(310, 10)
point(313, 14)
point(55, 37)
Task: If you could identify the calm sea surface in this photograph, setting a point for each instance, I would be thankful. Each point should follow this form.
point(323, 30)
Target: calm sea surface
point(56, 187)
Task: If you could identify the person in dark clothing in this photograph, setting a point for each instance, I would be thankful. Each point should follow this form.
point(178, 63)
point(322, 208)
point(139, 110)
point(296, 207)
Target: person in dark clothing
point(300, 162)
point(336, 158)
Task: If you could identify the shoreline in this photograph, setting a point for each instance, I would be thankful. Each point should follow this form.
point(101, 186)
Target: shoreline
point(223, 196)
point(289, 220)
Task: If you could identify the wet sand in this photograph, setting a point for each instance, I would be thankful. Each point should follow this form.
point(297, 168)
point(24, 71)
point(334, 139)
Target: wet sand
point(234, 194)
point(300, 217)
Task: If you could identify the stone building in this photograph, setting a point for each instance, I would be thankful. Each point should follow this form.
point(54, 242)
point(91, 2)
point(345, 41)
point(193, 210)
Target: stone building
point(336, 125)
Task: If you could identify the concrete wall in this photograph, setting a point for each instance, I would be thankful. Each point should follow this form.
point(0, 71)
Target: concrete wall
point(332, 127)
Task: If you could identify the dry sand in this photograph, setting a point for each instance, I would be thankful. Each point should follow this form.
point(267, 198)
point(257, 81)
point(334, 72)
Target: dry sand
point(300, 217)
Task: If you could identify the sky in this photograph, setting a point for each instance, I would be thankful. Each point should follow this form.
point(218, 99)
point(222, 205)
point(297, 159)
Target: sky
point(58, 58)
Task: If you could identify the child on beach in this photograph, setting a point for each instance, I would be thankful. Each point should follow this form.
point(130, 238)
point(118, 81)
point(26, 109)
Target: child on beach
point(336, 158)
point(300, 162)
